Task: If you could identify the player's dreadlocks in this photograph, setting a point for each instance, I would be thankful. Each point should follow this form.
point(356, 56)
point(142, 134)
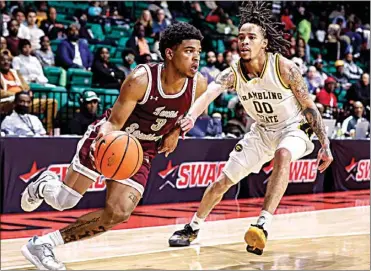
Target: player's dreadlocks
point(176, 33)
point(258, 13)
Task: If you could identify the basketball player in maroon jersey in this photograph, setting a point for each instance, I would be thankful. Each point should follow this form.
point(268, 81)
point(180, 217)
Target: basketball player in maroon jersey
point(152, 100)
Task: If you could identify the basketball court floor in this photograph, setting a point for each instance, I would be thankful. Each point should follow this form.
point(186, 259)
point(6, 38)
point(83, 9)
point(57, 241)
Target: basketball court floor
point(316, 232)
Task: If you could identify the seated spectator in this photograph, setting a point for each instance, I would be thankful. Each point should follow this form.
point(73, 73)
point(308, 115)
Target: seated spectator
point(351, 70)
point(312, 80)
point(286, 19)
point(210, 71)
point(360, 91)
point(326, 96)
point(23, 32)
point(128, 59)
point(45, 54)
point(28, 65)
point(233, 48)
point(106, 74)
point(239, 125)
point(160, 23)
point(20, 122)
point(13, 40)
point(72, 52)
point(94, 10)
point(320, 34)
point(318, 63)
point(145, 59)
point(12, 82)
point(137, 41)
point(226, 27)
point(87, 115)
point(340, 75)
point(146, 20)
point(51, 27)
point(35, 32)
point(220, 64)
point(3, 44)
point(351, 122)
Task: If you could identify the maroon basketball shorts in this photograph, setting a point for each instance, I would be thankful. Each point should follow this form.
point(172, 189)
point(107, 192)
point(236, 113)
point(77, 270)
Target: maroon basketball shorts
point(82, 163)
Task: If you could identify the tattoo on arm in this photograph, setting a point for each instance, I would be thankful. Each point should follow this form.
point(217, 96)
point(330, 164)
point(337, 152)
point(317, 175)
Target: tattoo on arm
point(226, 79)
point(133, 198)
point(310, 110)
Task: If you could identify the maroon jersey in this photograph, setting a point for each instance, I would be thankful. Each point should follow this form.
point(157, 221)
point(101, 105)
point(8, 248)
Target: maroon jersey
point(158, 112)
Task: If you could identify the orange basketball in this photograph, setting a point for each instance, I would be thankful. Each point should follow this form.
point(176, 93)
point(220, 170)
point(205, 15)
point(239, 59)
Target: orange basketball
point(118, 155)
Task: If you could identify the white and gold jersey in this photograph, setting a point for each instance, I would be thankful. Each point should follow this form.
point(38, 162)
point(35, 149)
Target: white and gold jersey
point(267, 99)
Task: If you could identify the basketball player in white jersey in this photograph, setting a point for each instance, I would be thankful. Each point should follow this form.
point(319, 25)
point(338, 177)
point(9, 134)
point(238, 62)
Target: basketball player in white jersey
point(273, 92)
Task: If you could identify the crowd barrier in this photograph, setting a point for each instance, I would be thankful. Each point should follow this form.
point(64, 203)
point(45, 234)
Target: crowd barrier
point(184, 175)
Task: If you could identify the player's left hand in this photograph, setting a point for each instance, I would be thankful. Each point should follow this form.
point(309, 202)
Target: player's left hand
point(325, 155)
point(169, 142)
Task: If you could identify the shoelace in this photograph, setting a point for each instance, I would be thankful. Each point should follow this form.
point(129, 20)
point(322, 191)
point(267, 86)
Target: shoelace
point(48, 250)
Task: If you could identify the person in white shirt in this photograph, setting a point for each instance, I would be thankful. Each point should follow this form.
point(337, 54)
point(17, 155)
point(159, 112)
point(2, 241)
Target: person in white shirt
point(20, 122)
point(28, 65)
point(23, 32)
point(35, 32)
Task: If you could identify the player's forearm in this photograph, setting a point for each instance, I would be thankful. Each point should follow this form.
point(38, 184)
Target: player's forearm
point(314, 119)
point(212, 92)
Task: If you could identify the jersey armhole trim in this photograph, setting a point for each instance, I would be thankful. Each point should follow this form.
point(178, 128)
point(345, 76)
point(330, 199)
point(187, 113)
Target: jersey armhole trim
point(235, 78)
point(277, 68)
point(149, 86)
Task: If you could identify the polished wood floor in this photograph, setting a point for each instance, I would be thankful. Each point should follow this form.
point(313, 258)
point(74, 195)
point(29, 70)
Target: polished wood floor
point(337, 239)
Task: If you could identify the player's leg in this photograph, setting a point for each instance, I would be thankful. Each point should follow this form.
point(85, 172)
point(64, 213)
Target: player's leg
point(248, 156)
point(66, 194)
point(120, 202)
point(289, 149)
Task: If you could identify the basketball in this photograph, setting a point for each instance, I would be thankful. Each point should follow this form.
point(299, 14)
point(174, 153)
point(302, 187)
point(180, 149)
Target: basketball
point(118, 155)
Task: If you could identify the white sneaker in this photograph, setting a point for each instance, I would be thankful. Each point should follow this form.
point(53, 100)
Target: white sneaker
point(41, 255)
point(31, 198)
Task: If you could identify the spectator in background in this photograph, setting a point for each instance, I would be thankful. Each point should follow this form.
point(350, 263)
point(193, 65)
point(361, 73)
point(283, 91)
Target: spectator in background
point(20, 122)
point(351, 70)
point(128, 59)
point(13, 40)
point(45, 54)
point(360, 91)
point(226, 27)
point(302, 50)
point(351, 122)
point(94, 11)
point(312, 80)
point(220, 64)
point(72, 52)
point(305, 27)
point(87, 115)
point(106, 74)
point(234, 49)
point(210, 71)
point(35, 32)
point(318, 63)
point(28, 65)
point(160, 23)
point(3, 44)
point(238, 126)
point(340, 75)
point(147, 21)
point(23, 31)
point(320, 35)
point(137, 41)
point(326, 95)
point(286, 19)
point(51, 27)
point(145, 59)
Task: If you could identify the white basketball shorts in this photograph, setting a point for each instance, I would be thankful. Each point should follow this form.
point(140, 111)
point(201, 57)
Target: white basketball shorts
point(259, 146)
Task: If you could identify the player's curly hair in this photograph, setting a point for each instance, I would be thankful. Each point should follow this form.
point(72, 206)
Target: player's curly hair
point(258, 13)
point(176, 33)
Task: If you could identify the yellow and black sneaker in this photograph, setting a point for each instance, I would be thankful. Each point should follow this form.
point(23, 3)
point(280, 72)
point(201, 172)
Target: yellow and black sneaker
point(183, 238)
point(255, 238)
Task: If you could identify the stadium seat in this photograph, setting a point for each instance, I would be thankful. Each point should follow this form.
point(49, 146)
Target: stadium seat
point(58, 93)
point(55, 75)
point(79, 77)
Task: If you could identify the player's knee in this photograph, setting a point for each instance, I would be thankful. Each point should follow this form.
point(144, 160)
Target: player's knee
point(60, 196)
point(282, 157)
point(222, 185)
point(115, 214)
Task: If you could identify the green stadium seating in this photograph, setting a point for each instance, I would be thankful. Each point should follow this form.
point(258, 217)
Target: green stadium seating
point(79, 77)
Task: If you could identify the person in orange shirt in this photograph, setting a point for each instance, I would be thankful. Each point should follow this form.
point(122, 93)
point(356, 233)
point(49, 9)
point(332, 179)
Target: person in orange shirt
point(12, 82)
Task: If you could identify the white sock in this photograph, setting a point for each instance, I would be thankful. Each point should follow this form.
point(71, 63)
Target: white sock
point(196, 222)
point(54, 238)
point(265, 220)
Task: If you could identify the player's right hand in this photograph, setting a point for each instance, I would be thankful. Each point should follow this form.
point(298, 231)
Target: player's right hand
point(92, 148)
point(186, 124)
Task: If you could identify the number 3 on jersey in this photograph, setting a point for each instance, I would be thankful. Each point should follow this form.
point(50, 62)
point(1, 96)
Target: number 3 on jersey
point(259, 107)
point(159, 123)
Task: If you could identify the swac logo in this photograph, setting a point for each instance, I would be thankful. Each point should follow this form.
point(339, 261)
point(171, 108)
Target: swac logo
point(301, 171)
point(191, 174)
point(358, 171)
point(61, 171)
